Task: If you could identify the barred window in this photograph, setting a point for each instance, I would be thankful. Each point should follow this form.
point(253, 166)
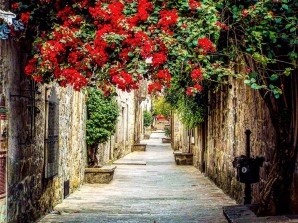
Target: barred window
point(52, 135)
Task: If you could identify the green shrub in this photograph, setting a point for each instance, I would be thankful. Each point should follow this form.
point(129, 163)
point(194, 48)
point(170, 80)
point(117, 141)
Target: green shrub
point(167, 132)
point(102, 114)
point(147, 118)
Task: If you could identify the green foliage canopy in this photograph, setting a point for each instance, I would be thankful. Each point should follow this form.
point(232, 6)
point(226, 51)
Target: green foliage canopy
point(161, 107)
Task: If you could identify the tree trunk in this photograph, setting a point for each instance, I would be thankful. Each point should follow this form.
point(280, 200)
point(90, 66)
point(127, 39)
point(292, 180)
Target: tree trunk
point(276, 195)
point(92, 158)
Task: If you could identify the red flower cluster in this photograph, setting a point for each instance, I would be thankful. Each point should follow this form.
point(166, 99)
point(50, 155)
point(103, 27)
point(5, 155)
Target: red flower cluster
point(73, 77)
point(222, 25)
point(159, 58)
point(245, 12)
point(25, 17)
point(154, 87)
point(206, 45)
point(168, 19)
point(93, 38)
point(15, 6)
point(193, 90)
point(124, 80)
point(194, 4)
point(197, 76)
point(162, 78)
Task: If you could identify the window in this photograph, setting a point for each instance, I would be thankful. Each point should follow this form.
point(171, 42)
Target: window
point(52, 135)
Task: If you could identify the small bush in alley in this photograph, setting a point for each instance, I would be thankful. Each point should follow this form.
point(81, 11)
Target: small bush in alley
point(147, 119)
point(102, 114)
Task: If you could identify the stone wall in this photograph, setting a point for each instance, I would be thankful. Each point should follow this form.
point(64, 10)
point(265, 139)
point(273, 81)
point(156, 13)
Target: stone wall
point(179, 135)
point(30, 194)
point(3, 147)
point(233, 109)
point(121, 143)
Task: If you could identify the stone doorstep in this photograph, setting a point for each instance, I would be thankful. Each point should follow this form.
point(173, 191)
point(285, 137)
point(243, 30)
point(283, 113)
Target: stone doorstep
point(166, 140)
point(146, 136)
point(243, 214)
point(139, 147)
point(182, 153)
point(104, 169)
point(183, 158)
point(102, 175)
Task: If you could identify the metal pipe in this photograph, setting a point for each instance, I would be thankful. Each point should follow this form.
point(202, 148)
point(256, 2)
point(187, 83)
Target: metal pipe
point(247, 189)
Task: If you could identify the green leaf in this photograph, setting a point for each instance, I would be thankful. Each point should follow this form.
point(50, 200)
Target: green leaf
point(284, 6)
point(278, 20)
point(247, 82)
point(293, 29)
point(288, 71)
point(273, 77)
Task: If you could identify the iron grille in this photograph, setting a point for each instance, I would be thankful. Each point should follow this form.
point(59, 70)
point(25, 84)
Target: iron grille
point(51, 142)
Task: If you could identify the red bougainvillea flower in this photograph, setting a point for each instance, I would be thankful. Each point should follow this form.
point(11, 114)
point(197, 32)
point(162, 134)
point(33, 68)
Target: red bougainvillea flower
point(222, 25)
point(206, 45)
point(193, 90)
point(154, 87)
point(198, 87)
point(30, 68)
point(38, 79)
point(189, 91)
point(197, 75)
point(184, 26)
point(25, 17)
point(15, 6)
point(194, 4)
point(158, 59)
point(245, 12)
point(167, 20)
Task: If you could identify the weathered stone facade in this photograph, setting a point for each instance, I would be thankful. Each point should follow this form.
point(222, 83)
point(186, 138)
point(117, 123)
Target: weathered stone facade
point(30, 193)
point(130, 126)
point(121, 143)
point(3, 151)
point(221, 138)
point(179, 135)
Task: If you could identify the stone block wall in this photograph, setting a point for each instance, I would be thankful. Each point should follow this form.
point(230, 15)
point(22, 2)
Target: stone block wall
point(122, 141)
point(30, 194)
point(179, 136)
point(233, 109)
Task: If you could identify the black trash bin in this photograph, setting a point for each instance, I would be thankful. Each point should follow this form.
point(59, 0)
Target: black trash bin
point(248, 169)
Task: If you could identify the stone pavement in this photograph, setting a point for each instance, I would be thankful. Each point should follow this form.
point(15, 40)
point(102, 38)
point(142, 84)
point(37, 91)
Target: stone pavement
point(154, 190)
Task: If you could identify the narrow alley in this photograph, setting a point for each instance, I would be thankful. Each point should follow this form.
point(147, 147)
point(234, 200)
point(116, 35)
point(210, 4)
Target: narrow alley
point(147, 187)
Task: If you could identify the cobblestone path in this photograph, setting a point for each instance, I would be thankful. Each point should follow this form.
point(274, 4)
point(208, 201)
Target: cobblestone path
point(158, 192)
